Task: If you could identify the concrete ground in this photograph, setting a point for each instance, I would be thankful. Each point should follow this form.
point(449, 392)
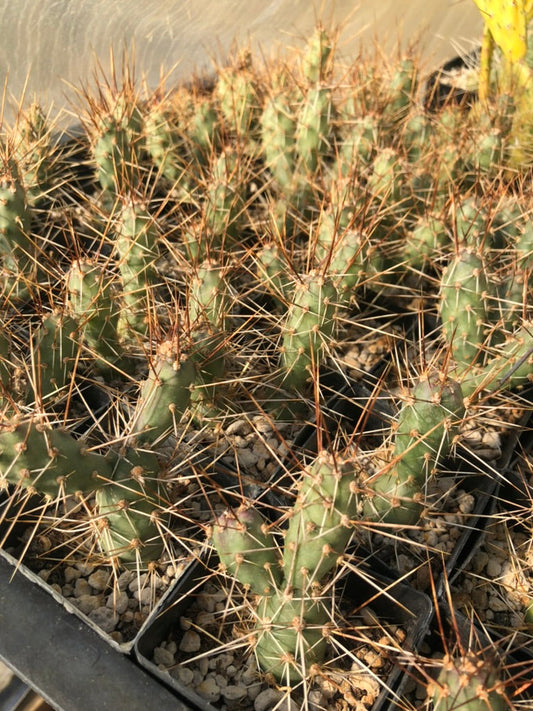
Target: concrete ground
point(50, 45)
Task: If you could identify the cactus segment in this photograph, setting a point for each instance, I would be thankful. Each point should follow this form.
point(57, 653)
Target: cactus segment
point(464, 307)
point(512, 367)
point(237, 93)
point(387, 178)
point(426, 428)
point(92, 303)
point(54, 352)
point(358, 143)
point(137, 248)
point(129, 510)
point(6, 367)
point(273, 271)
point(316, 61)
point(400, 92)
point(468, 683)
point(291, 635)
point(34, 152)
point(278, 139)
point(210, 298)
point(203, 131)
point(224, 198)
point(471, 224)
point(308, 327)
point(16, 249)
point(426, 241)
point(416, 136)
point(164, 396)
point(208, 354)
point(164, 145)
point(49, 461)
point(247, 549)
point(320, 525)
point(117, 146)
point(314, 128)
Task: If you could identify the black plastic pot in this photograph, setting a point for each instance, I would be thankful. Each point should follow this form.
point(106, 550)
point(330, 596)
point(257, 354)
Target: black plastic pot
point(395, 603)
point(65, 661)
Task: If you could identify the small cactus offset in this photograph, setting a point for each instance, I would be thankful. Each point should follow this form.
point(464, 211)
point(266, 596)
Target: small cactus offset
point(138, 252)
point(307, 329)
point(468, 683)
point(424, 436)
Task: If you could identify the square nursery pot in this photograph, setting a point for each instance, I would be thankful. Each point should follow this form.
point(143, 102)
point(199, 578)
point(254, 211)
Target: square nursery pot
point(465, 472)
point(399, 605)
point(71, 666)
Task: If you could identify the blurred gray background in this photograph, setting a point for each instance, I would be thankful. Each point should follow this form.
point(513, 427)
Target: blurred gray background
point(48, 46)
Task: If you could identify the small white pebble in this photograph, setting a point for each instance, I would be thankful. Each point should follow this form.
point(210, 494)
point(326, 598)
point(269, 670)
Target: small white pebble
point(118, 602)
point(183, 675)
point(88, 603)
point(144, 596)
point(99, 580)
point(190, 641)
point(138, 582)
point(267, 699)
point(208, 690)
point(124, 579)
point(71, 574)
point(233, 693)
point(162, 657)
point(81, 587)
point(104, 618)
point(494, 568)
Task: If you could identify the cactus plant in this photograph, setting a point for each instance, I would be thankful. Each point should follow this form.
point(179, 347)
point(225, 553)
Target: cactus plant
point(291, 627)
point(468, 683)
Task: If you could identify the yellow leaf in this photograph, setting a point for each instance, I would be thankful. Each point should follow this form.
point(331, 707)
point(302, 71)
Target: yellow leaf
point(507, 21)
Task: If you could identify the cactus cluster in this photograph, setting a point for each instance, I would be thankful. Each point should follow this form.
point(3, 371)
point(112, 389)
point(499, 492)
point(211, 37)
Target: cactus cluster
point(203, 261)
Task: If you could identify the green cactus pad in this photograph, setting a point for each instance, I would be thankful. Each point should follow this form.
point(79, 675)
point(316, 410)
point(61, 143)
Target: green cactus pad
point(291, 635)
point(56, 346)
point(165, 394)
point(314, 128)
point(308, 327)
point(316, 61)
point(426, 427)
point(320, 525)
point(278, 138)
point(136, 243)
point(464, 307)
point(92, 302)
point(49, 461)
point(17, 251)
point(131, 510)
point(247, 549)
point(210, 297)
